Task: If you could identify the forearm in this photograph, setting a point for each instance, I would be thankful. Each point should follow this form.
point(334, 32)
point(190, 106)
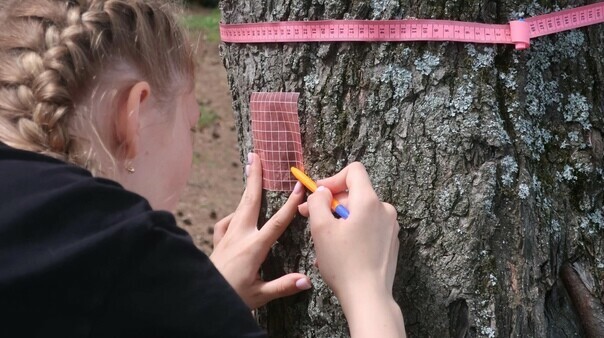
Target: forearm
point(373, 314)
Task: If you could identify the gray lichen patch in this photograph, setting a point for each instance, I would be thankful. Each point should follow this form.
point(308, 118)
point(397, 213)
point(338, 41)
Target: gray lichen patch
point(509, 169)
point(577, 110)
point(427, 63)
point(491, 156)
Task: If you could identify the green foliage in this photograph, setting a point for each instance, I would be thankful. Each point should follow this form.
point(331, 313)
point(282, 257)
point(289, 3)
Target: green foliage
point(206, 118)
point(206, 23)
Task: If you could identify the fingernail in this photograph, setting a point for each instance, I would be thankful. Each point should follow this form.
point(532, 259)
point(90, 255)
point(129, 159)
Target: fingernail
point(321, 188)
point(247, 170)
point(298, 188)
point(250, 158)
point(303, 284)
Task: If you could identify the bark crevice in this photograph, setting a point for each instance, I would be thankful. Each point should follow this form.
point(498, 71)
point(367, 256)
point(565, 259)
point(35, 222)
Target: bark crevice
point(493, 158)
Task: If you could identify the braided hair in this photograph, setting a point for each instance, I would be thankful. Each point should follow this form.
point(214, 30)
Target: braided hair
point(54, 52)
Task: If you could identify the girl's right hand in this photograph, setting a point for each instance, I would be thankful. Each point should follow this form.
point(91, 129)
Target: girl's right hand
point(357, 256)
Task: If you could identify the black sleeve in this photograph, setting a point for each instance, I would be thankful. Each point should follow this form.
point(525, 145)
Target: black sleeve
point(82, 257)
point(168, 288)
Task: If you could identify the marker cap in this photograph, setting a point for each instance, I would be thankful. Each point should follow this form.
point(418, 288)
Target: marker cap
point(343, 212)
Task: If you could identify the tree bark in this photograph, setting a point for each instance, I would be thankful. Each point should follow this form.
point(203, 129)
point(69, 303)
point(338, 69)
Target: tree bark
point(492, 157)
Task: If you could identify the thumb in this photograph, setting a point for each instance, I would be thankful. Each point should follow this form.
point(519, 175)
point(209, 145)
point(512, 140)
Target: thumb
point(283, 286)
point(319, 207)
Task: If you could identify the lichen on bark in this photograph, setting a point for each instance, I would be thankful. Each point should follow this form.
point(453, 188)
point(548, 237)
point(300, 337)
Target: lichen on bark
point(492, 157)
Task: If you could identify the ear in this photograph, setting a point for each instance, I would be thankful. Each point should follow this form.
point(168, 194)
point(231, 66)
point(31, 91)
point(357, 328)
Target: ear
point(128, 119)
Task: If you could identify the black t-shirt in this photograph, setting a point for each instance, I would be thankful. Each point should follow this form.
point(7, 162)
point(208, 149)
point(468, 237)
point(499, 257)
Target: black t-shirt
point(82, 257)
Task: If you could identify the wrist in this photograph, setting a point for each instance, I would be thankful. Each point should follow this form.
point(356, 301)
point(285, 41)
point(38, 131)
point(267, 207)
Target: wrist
point(370, 308)
point(361, 291)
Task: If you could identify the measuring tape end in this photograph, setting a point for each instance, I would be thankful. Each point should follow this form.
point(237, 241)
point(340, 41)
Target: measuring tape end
point(520, 33)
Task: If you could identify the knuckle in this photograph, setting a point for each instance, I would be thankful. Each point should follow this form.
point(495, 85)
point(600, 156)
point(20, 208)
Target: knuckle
point(249, 197)
point(357, 166)
point(397, 230)
point(215, 240)
point(220, 227)
point(390, 210)
point(218, 238)
point(312, 199)
point(225, 221)
point(278, 223)
point(281, 288)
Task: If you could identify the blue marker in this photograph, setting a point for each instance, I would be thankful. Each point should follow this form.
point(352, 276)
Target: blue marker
point(336, 206)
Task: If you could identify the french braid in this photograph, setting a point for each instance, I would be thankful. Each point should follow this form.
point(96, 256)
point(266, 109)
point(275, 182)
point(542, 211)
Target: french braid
point(52, 52)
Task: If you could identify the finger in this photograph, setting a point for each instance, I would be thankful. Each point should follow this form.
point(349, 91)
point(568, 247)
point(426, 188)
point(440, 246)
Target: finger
point(319, 208)
point(393, 254)
point(274, 228)
point(249, 206)
point(303, 209)
point(391, 271)
point(352, 178)
point(287, 285)
point(390, 211)
point(220, 228)
point(341, 197)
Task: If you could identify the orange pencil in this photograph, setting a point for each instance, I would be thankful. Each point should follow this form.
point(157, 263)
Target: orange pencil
point(312, 186)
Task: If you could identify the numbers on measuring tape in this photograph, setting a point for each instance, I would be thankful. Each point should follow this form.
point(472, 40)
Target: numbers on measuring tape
point(516, 32)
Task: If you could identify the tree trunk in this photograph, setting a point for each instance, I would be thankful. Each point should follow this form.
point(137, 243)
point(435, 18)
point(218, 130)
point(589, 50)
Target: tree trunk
point(492, 157)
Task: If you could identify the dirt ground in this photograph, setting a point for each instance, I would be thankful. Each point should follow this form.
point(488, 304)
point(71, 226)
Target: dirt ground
point(216, 181)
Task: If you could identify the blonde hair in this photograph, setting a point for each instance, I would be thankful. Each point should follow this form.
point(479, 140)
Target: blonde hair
point(54, 52)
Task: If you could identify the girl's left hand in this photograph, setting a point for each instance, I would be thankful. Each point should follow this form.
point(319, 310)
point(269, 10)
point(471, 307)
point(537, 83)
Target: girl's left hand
point(240, 248)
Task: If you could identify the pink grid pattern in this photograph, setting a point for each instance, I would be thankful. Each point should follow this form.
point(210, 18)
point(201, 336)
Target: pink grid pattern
point(276, 134)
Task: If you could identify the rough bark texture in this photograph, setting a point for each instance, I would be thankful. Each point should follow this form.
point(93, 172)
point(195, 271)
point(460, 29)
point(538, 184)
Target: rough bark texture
point(492, 157)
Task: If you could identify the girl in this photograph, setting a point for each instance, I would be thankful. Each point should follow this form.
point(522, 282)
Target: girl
point(96, 107)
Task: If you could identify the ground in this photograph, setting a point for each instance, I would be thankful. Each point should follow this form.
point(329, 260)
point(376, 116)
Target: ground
point(216, 183)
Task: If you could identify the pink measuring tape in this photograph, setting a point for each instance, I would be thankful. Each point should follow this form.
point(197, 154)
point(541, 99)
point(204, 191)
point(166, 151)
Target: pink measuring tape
point(517, 32)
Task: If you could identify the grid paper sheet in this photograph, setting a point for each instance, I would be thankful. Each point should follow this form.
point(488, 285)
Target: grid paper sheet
point(276, 134)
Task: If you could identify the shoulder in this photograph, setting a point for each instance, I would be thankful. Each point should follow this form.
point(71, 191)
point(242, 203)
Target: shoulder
point(36, 186)
point(57, 203)
point(55, 212)
point(94, 248)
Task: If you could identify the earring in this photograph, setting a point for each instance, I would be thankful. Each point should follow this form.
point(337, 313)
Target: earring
point(129, 168)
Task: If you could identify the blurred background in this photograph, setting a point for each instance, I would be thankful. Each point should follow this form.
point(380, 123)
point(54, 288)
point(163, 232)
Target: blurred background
point(203, 3)
point(216, 181)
